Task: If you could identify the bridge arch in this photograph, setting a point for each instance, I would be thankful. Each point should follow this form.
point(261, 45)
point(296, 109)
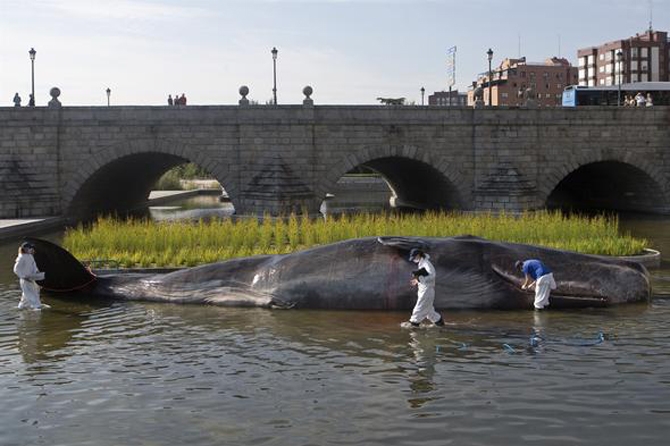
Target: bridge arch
point(415, 178)
point(627, 183)
point(121, 178)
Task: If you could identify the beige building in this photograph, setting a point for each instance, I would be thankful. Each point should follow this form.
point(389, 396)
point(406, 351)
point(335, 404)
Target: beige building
point(513, 79)
point(643, 58)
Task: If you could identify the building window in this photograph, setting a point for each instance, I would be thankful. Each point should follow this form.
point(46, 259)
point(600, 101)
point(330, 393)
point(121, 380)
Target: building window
point(582, 61)
point(601, 56)
point(645, 52)
point(503, 95)
point(633, 53)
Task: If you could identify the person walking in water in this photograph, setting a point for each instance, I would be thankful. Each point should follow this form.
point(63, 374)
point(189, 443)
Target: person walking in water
point(539, 275)
point(424, 279)
point(26, 269)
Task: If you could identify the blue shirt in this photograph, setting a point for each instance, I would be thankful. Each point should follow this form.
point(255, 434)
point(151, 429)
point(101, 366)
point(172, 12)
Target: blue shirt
point(534, 268)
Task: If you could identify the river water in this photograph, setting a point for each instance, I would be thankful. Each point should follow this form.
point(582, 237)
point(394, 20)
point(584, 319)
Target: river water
point(93, 372)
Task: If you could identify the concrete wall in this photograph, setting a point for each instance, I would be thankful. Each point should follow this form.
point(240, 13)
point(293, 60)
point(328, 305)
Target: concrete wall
point(72, 160)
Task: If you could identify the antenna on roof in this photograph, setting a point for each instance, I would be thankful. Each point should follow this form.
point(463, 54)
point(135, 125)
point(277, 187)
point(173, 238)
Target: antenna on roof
point(651, 15)
point(559, 46)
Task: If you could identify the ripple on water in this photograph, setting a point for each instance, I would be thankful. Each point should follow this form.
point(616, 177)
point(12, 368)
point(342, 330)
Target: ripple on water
point(206, 375)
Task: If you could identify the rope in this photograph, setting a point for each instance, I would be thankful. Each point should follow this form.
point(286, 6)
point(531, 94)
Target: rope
point(77, 288)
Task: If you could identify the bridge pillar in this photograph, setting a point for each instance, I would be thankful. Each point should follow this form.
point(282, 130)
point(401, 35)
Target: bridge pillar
point(276, 190)
point(506, 189)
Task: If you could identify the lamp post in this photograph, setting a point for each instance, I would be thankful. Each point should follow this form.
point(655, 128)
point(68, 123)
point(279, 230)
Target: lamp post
point(423, 91)
point(32, 53)
point(489, 54)
point(619, 57)
point(109, 92)
point(274, 74)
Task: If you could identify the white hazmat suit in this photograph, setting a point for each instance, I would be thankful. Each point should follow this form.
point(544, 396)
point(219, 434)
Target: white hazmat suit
point(26, 269)
point(426, 294)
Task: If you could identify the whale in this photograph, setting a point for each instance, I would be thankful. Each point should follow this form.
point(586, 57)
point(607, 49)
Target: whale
point(371, 273)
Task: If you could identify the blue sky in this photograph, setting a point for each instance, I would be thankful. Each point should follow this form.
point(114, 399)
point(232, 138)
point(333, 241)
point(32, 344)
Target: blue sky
point(349, 51)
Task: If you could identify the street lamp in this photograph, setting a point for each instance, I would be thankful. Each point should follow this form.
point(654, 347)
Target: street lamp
point(619, 58)
point(109, 92)
point(489, 54)
point(32, 53)
point(423, 91)
point(274, 73)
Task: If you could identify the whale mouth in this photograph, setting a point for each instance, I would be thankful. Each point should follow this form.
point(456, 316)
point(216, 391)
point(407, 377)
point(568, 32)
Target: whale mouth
point(558, 299)
point(567, 301)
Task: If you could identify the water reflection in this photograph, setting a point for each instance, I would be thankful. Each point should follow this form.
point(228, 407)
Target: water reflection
point(421, 383)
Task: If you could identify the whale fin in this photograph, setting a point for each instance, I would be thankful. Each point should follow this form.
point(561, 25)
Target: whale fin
point(62, 271)
point(405, 243)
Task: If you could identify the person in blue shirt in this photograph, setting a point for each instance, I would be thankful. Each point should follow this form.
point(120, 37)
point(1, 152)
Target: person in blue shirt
point(538, 275)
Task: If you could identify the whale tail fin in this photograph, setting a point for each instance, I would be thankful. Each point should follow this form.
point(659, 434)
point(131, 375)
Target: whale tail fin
point(62, 271)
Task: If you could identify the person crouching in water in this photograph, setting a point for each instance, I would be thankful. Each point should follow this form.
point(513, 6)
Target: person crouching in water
point(424, 279)
point(26, 269)
point(538, 274)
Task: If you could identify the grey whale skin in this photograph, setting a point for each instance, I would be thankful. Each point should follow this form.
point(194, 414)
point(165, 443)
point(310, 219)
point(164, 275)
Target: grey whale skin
point(364, 274)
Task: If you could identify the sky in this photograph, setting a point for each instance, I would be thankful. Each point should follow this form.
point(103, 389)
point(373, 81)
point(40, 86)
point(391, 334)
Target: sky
point(348, 51)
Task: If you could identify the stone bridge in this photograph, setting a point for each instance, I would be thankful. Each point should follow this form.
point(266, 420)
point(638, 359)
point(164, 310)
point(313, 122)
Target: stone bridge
point(78, 161)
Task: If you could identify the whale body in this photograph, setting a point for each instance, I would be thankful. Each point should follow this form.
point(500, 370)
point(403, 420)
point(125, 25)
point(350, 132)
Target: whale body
point(364, 274)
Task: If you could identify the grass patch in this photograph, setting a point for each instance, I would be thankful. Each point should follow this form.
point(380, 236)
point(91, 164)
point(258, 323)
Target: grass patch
point(144, 243)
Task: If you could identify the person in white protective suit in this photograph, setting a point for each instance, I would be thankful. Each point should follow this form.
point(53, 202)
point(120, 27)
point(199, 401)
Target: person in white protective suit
point(424, 279)
point(26, 269)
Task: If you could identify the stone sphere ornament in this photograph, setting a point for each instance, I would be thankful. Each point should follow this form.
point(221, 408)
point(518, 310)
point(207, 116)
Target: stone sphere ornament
point(54, 102)
point(307, 91)
point(244, 91)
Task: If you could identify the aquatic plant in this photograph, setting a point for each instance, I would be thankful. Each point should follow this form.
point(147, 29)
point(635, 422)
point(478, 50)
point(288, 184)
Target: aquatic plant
point(145, 243)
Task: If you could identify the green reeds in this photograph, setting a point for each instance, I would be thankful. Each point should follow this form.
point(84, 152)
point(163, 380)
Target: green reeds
point(144, 243)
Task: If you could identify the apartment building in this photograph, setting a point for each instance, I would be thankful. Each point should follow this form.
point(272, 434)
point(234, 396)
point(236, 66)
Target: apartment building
point(448, 99)
point(513, 77)
point(641, 58)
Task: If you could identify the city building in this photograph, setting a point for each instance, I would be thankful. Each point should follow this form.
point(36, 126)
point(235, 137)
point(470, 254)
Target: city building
point(515, 79)
point(448, 99)
point(642, 58)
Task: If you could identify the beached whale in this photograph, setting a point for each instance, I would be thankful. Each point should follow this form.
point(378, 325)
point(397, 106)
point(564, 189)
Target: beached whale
point(363, 274)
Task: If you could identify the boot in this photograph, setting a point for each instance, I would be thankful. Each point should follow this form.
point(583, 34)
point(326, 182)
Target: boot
point(440, 323)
